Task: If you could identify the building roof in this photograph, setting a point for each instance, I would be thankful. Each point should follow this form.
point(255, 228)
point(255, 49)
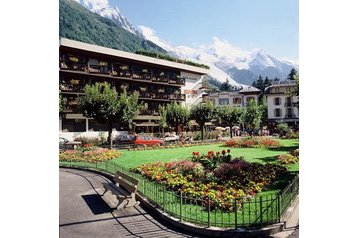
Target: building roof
point(287, 83)
point(131, 56)
point(243, 90)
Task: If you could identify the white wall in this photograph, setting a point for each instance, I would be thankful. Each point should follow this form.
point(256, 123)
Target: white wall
point(271, 106)
point(192, 82)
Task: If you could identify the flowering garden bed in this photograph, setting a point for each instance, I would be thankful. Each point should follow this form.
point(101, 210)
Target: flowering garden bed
point(215, 176)
point(253, 142)
point(88, 153)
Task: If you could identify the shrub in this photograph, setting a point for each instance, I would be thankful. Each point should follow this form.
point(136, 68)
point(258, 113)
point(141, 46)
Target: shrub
point(291, 135)
point(92, 156)
point(253, 142)
point(95, 141)
point(295, 152)
point(287, 159)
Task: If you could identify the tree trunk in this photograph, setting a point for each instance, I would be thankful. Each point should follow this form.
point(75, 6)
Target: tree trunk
point(202, 132)
point(109, 139)
point(230, 130)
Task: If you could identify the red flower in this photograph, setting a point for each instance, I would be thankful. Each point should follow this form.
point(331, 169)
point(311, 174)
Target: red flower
point(223, 152)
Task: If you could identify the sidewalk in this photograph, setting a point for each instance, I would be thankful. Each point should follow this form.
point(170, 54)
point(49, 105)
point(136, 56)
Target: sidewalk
point(292, 222)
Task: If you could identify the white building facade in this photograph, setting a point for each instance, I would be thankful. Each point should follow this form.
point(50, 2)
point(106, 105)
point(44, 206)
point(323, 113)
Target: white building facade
point(237, 98)
point(280, 104)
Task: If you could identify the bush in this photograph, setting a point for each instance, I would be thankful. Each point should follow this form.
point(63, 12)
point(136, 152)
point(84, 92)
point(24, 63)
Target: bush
point(95, 141)
point(287, 159)
point(291, 135)
point(92, 155)
point(253, 142)
point(295, 152)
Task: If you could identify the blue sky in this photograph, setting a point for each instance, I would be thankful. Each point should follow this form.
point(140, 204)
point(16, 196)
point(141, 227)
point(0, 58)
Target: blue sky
point(247, 24)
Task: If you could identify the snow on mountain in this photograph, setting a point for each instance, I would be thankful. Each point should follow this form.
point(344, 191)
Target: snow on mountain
point(103, 8)
point(227, 62)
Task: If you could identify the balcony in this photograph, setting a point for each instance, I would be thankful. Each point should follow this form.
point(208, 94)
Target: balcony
point(148, 112)
point(180, 81)
point(159, 78)
point(78, 88)
point(179, 97)
point(75, 66)
point(290, 116)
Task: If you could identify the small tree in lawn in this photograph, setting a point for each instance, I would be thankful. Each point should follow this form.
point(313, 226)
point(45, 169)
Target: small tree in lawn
point(176, 115)
point(230, 115)
point(253, 115)
point(202, 113)
point(103, 103)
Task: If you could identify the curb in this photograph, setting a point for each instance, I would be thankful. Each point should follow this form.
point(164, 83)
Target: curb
point(190, 227)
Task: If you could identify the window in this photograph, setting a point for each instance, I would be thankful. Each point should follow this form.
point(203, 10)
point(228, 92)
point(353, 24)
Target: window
point(277, 112)
point(288, 102)
point(93, 125)
point(223, 101)
point(289, 112)
point(73, 125)
point(236, 100)
point(277, 101)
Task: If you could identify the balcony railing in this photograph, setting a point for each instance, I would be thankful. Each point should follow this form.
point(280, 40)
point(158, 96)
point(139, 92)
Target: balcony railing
point(72, 88)
point(290, 116)
point(69, 65)
point(163, 96)
point(148, 112)
point(138, 75)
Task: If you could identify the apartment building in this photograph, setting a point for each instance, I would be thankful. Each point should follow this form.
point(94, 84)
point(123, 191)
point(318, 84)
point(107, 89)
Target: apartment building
point(280, 104)
point(157, 81)
point(238, 98)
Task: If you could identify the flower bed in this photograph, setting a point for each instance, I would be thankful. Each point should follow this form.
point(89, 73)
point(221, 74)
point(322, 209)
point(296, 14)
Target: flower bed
point(213, 176)
point(253, 142)
point(88, 153)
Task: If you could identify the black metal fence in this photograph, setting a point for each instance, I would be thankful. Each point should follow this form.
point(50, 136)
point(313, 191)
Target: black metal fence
point(258, 211)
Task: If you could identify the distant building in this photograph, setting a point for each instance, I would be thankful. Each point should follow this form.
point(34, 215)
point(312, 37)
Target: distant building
point(280, 105)
point(157, 81)
point(237, 98)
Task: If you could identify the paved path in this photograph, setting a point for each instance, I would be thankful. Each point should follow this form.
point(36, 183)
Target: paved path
point(291, 229)
point(83, 213)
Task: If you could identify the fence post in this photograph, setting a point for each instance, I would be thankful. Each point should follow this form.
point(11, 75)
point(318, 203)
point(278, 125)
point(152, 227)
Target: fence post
point(235, 208)
point(279, 207)
point(261, 214)
point(208, 212)
point(163, 199)
point(181, 204)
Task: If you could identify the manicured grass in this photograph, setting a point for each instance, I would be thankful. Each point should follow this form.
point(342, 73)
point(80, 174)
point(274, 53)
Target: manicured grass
point(132, 159)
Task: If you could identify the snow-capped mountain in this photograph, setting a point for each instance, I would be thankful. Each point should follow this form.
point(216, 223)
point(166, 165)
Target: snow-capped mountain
point(227, 62)
point(102, 8)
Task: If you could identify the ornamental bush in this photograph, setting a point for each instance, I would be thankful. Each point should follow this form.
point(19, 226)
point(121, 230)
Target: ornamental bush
point(287, 159)
point(253, 142)
point(89, 154)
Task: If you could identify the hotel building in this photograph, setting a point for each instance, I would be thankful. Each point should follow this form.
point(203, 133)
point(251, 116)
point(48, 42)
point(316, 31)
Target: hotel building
point(157, 81)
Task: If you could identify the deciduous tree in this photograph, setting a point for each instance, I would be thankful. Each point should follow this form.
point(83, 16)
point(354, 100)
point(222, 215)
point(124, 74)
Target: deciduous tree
point(105, 105)
point(202, 113)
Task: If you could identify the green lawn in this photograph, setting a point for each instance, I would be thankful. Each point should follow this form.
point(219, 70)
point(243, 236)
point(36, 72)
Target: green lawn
point(131, 159)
